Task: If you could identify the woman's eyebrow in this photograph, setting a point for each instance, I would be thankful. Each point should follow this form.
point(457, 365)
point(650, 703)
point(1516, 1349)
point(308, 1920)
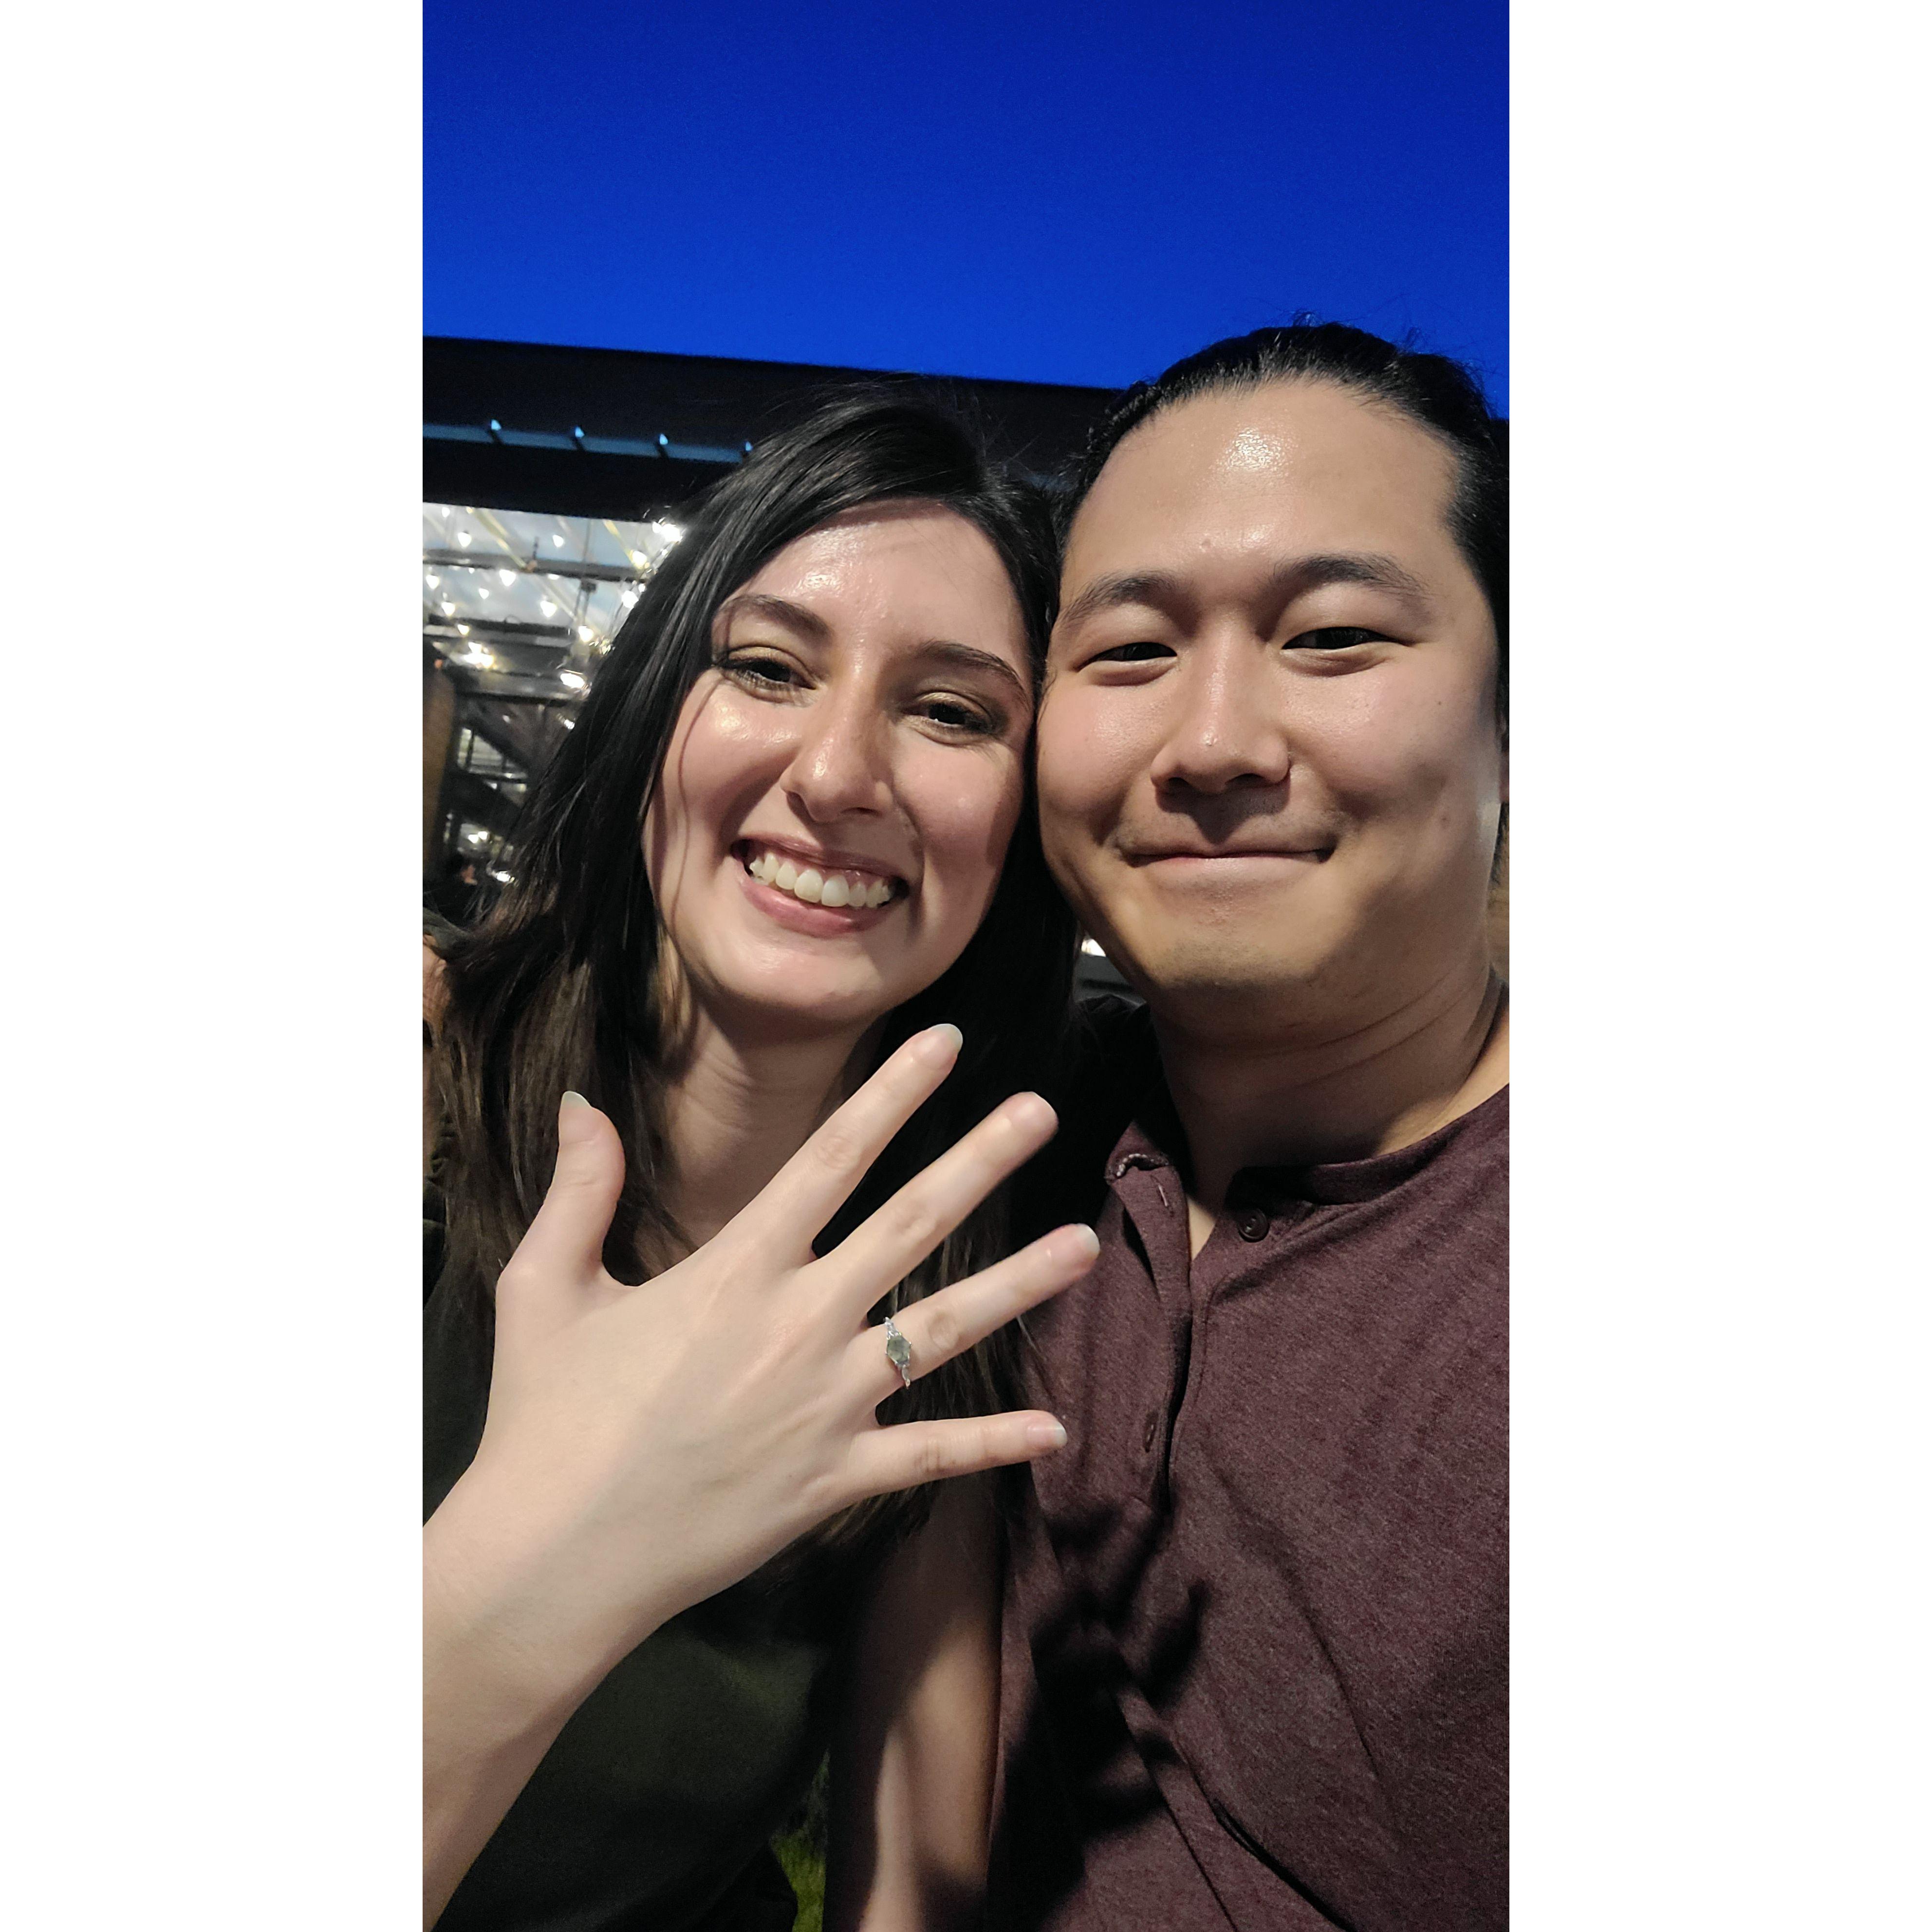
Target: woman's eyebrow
point(794, 617)
point(968, 657)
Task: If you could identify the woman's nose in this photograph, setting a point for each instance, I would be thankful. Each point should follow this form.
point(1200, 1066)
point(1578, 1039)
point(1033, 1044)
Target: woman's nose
point(840, 766)
point(1225, 729)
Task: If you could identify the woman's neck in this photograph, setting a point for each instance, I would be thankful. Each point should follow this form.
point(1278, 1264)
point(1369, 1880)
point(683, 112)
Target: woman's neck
point(738, 1109)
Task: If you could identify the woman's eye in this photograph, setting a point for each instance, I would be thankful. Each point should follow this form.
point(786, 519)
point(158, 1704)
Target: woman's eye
point(1334, 637)
point(766, 672)
point(954, 716)
point(1141, 652)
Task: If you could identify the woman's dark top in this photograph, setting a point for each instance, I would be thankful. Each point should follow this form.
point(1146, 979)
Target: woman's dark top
point(655, 1805)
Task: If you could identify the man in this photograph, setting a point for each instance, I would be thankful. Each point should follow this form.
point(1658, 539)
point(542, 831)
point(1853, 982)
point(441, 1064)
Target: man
point(1255, 1635)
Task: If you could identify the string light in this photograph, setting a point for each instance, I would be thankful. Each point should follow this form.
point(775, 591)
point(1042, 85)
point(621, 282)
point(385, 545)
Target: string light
point(506, 577)
point(572, 680)
point(462, 538)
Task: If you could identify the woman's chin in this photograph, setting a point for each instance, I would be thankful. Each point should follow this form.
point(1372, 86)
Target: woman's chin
point(803, 1006)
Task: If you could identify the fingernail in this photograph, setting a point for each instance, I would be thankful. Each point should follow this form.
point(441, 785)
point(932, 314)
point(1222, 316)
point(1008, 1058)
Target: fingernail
point(1045, 1435)
point(1085, 1243)
point(944, 1040)
point(574, 1100)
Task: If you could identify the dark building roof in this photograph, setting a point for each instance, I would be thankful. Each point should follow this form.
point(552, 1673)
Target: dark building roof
point(629, 434)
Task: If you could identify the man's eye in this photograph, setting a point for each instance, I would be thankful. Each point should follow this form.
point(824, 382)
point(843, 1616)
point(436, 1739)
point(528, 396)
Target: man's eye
point(1335, 638)
point(1135, 653)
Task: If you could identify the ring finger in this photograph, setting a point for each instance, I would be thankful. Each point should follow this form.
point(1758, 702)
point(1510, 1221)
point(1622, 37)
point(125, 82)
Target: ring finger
point(949, 1323)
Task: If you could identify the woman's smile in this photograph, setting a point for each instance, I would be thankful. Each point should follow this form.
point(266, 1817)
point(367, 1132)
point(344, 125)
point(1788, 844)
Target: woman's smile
point(843, 783)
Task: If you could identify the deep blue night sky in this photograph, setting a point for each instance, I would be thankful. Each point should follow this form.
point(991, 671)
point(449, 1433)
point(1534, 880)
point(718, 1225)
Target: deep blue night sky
point(1051, 193)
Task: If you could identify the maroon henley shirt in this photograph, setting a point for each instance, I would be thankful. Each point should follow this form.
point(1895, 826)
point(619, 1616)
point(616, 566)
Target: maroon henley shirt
point(1254, 1639)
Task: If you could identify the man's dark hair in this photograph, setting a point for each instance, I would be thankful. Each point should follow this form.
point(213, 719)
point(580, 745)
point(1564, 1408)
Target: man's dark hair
point(1436, 394)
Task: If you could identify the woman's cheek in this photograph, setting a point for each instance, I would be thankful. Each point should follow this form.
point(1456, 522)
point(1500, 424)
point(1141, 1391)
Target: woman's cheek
point(966, 830)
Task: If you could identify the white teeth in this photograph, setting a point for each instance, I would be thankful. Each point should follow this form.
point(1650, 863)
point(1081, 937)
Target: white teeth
point(818, 888)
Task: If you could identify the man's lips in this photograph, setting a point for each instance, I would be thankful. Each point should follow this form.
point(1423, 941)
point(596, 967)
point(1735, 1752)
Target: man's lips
point(1212, 854)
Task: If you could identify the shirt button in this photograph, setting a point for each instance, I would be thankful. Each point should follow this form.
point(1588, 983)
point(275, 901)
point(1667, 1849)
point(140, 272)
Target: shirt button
point(1152, 1429)
point(1251, 1224)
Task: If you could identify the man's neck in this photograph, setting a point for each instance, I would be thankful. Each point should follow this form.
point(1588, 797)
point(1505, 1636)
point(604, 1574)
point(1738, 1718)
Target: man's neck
point(1364, 1086)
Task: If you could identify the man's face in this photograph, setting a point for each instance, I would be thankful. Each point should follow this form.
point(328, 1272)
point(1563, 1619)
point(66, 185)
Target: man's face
point(1270, 773)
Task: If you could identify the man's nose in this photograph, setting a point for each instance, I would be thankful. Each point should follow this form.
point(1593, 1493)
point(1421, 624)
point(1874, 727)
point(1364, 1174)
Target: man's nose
point(1226, 730)
point(842, 765)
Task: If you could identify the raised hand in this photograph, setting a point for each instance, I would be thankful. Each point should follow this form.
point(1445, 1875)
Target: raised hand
point(647, 1446)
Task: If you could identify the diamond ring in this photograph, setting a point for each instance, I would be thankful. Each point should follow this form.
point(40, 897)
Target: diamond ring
point(898, 1351)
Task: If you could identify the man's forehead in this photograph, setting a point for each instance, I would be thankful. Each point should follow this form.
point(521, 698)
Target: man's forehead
point(1269, 470)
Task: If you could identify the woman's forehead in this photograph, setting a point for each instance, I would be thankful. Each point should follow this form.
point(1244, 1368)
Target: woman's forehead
point(896, 566)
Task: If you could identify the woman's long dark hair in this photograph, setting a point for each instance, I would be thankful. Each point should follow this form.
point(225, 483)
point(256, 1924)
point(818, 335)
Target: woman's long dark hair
point(556, 988)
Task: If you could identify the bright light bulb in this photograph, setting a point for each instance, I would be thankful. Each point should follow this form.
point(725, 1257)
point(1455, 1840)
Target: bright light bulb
point(547, 608)
point(638, 558)
point(556, 539)
point(448, 608)
point(584, 634)
point(506, 577)
point(670, 532)
point(482, 593)
point(572, 680)
point(463, 630)
point(570, 723)
point(630, 596)
point(463, 538)
point(479, 838)
point(432, 580)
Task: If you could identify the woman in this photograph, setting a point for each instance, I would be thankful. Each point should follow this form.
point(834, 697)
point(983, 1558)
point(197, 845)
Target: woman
point(788, 841)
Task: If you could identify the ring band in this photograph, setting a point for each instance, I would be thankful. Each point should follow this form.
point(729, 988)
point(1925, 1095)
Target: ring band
point(898, 1351)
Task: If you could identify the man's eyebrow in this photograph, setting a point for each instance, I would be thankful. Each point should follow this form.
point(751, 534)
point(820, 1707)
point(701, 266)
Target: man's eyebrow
point(794, 617)
point(1163, 590)
point(1366, 567)
point(1108, 593)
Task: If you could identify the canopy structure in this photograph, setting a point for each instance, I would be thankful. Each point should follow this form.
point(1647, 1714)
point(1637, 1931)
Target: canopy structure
point(553, 481)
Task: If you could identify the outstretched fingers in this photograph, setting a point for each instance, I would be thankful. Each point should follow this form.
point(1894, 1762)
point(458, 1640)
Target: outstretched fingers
point(892, 1242)
point(950, 1322)
point(812, 1185)
point(566, 1239)
point(902, 1457)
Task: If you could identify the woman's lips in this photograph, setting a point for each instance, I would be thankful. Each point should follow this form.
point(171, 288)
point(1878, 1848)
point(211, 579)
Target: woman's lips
point(818, 899)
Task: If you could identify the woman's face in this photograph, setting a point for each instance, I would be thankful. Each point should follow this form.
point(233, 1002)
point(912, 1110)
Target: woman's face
point(841, 786)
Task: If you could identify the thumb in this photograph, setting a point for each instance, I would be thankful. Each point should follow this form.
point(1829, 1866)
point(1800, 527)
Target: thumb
point(568, 1235)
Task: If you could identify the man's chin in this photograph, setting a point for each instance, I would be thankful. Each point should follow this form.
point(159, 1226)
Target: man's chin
point(1213, 984)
